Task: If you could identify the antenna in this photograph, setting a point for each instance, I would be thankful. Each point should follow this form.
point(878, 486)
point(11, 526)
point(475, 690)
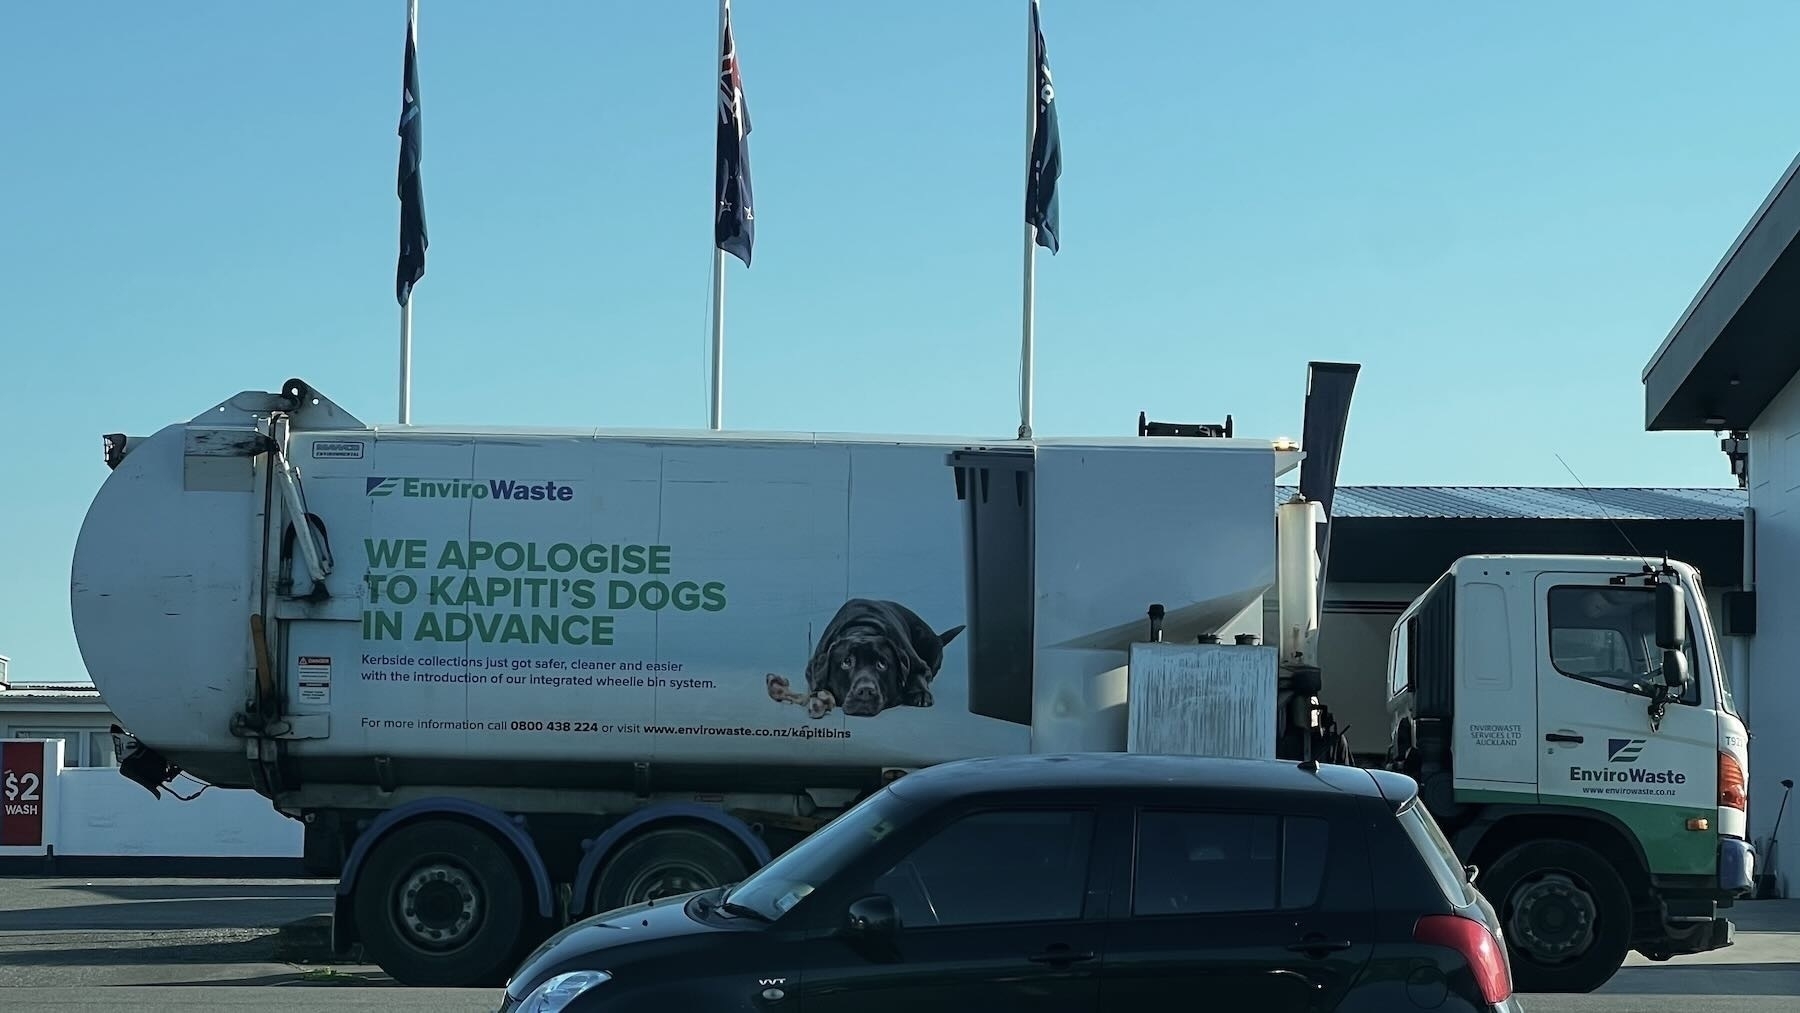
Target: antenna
point(1602, 509)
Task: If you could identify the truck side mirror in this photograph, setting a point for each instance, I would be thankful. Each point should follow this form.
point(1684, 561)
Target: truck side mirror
point(1671, 617)
point(1675, 673)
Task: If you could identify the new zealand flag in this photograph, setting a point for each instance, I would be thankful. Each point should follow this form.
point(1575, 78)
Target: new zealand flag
point(734, 218)
point(1046, 150)
point(411, 266)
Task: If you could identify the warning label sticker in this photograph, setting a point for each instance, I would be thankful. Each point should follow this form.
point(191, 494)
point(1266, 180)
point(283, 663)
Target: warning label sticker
point(315, 679)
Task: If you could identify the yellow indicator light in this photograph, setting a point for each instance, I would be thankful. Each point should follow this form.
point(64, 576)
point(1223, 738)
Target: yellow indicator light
point(1699, 823)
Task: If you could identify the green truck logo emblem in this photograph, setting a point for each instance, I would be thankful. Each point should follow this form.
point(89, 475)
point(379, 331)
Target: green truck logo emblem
point(1623, 750)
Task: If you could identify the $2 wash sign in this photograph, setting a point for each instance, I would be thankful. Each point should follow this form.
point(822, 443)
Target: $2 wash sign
point(21, 794)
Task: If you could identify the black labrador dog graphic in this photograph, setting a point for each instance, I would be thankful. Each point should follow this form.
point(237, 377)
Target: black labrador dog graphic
point(872, 656)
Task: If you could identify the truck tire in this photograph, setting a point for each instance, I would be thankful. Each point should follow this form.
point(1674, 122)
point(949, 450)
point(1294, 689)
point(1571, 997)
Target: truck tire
point(1566, 914)
point(667, 862)
point(441, 904)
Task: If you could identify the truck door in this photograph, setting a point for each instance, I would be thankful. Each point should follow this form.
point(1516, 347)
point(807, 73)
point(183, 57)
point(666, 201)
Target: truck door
point(1496, 688)
point(1598, 666)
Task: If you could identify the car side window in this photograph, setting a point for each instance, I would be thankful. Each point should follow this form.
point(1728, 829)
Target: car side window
point(1217, 863)
point(996, 867)
point(1606, 635)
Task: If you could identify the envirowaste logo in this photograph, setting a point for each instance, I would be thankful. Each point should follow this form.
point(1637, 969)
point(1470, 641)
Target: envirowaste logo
point(1624, 750)
point(547, 491)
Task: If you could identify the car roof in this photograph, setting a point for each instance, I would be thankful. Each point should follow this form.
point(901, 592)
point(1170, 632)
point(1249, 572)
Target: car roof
point(1039, 773)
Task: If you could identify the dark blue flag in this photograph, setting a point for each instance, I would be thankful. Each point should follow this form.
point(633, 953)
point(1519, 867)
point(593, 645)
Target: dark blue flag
point(734, 219)
point(412, 198)
point(1046, 149)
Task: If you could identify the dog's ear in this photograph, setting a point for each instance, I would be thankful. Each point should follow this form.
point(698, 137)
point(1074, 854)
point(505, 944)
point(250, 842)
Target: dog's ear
point(819, 667)
point(948, 635)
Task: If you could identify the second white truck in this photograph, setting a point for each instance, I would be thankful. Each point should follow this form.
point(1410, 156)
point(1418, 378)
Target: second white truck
point(1571, 728)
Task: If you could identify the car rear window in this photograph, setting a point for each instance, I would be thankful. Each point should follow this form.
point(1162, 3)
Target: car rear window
point(1435, 849)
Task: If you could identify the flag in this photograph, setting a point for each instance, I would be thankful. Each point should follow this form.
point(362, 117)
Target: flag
point(411, 266)
point(734, 219)
point(1046, 149)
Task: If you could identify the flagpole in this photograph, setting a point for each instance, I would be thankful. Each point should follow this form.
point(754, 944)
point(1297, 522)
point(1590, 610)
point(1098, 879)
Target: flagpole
point(716, 393)
point(412, 25)
point(406, 364)
point(1028, 321)
point(717, 404)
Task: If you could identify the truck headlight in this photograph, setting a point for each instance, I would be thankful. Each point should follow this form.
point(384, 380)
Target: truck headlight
point(558, 992)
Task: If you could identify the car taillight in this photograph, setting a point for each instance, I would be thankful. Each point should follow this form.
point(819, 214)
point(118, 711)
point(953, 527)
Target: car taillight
point(1731, 783)
point(1477, 946)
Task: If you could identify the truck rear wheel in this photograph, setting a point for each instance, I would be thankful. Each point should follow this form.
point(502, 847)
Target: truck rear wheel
point(441, 904)
point(1566, 912)
point(667, 862)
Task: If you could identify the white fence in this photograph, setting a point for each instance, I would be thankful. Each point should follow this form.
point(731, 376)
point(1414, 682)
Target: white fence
point(94, 812)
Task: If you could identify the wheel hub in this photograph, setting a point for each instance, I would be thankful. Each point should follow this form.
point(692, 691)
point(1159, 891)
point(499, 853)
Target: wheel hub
point(439, 906)
point(1553, 918)
point(670, 880)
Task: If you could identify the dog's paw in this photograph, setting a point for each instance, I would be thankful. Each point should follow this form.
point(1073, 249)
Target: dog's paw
point(819, 705)
point(922, 698)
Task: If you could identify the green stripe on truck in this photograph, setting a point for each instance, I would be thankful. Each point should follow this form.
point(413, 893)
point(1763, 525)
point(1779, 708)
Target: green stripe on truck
point(1670, 847)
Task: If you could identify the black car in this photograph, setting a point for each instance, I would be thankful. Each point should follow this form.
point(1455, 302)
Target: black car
point(1068, 884)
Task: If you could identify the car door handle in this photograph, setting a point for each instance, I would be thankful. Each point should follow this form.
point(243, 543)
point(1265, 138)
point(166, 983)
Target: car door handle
point(1318, 946)
point(1562, 737)
point(1060, 955)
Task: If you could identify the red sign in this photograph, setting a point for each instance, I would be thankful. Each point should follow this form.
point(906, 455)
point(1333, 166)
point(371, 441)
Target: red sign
point(21, 794)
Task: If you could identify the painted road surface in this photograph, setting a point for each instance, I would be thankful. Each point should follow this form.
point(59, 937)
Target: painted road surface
point(162, 946)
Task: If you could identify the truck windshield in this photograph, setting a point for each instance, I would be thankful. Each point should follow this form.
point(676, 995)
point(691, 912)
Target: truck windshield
point(774, 889)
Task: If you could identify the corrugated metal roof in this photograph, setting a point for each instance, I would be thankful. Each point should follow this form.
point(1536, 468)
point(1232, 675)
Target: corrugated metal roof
point(1539, 502)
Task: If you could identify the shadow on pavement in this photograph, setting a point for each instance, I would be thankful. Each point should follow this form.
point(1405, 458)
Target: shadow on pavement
point(1765, 915)
point(1707, 980)
point(259, 949)
point(178, 891)
point(297, 979)
point(214, 913)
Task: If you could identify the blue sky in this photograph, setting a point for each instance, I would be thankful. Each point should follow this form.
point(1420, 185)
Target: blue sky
point(1499, 210)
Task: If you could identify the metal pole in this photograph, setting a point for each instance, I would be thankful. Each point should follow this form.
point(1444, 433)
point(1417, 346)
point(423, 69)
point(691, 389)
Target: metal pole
point(716, 402)
point(1028, 322)
point(406, 363)
point(717, 414)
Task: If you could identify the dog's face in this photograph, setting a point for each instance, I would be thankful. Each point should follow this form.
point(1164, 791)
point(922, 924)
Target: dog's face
point(864, 673)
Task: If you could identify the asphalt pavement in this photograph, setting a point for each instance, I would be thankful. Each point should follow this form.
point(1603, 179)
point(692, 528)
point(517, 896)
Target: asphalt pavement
point(163, 946)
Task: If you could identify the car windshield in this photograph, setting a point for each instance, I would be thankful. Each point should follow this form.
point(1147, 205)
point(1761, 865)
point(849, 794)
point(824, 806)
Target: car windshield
point(774, 889)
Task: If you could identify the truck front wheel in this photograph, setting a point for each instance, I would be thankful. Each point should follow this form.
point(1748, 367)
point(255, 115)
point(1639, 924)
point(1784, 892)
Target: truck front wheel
point(441, 904)
point(1566, 912)
point(667, 862)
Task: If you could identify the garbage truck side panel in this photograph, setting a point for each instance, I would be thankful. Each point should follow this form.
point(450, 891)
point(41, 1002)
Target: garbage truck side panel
point(520, 674)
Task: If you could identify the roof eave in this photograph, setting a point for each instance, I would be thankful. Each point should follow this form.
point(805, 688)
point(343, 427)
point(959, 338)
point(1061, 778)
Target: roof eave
point(1699, 378)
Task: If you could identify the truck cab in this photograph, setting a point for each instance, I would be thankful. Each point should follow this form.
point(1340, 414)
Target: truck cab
point(1570, 726)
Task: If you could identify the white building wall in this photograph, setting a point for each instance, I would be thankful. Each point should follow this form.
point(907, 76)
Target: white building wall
point(1773, 684)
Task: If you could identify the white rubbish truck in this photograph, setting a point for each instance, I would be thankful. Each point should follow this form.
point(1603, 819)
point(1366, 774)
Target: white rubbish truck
point(507, 678)
point(510, 677)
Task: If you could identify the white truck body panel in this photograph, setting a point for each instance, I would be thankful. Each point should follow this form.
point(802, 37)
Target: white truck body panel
point(503, 601)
